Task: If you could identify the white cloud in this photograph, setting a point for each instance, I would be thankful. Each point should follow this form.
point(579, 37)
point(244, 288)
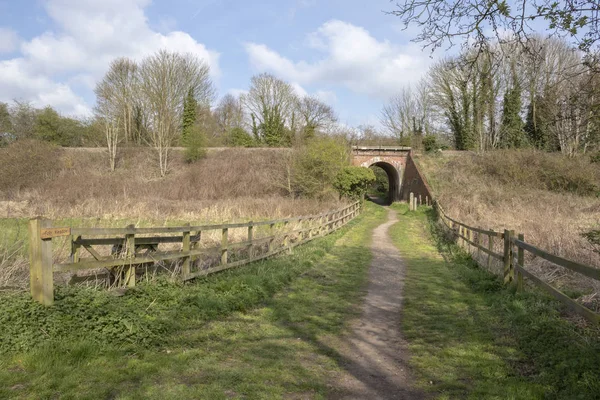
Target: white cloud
point(299, 90)
point(9, 40)
point(88, 35)
point(326, 96)
point(352, 58)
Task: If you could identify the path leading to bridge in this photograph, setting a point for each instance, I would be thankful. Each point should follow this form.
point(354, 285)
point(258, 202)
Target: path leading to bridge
point(375, 355)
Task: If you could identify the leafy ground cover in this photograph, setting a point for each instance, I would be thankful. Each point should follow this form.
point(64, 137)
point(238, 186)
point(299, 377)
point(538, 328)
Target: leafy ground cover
point(253, 332)
point(471, 337)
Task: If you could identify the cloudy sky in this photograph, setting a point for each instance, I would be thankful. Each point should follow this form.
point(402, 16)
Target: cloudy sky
point(347, 52)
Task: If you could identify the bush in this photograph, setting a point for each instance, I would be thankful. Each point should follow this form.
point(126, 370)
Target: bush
point(595, 158)
point(27, 163)
point(547, 171)
point(353, 181)
point(238, 137)
point(430, 143)
point(382, 182)
point(316, 165)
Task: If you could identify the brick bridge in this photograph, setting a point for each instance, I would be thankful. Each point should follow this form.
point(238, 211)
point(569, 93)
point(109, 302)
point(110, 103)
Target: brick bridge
point(397, 162)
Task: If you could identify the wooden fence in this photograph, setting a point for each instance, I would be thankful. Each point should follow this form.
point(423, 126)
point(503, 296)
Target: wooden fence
point(131, 247)
point(513, 259)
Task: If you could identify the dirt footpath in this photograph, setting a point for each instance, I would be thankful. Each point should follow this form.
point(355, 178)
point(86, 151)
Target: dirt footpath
point(374, 357)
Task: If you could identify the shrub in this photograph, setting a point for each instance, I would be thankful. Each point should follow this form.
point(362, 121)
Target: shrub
point(430, 143)
point(27, 163)
point(595, 158)
point(533, 169)
point(382, 182)
point(316, 165)
point(238, 137)
point(353, 181)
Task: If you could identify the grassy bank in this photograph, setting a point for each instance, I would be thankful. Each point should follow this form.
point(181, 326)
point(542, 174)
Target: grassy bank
point(471, 337)
point(253, 332)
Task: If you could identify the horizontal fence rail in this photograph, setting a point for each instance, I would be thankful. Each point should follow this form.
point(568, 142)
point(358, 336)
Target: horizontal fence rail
point(513, 259)
point(129, 251)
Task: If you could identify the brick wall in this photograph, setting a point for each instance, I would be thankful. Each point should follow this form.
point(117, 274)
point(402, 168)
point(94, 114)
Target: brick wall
point(414, 181)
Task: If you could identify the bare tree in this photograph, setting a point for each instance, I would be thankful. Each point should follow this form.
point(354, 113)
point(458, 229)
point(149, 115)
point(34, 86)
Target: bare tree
point(111, 132)
point(270, 103)
point(116, 95)
point(229, 113)
point(409, 112)
point(315, 115)
point(165, 79)
point(481, 22)
point(23, 116)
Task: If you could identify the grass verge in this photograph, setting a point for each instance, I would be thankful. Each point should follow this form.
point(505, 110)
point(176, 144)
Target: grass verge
point(253, 332)
point(472, 337)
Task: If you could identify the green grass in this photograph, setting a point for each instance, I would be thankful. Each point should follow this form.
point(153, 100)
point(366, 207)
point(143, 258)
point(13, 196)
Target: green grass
point(260, 331)
point(471, 337)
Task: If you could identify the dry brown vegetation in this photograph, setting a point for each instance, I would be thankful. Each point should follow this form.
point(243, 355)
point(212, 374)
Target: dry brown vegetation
point(228, 184)
point(75, 187)
point(550, 198)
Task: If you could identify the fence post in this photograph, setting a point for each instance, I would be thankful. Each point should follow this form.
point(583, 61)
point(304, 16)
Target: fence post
point(469, 236)
point(479, 245)
point(420, 202)
point(250, 239)
point(224, 244)
point(185, 268)
point(130, 253)
point(521, 260)
point(411, 201)
point(507, 256)
point(491, 249)
point(40, 263)
point(272, 234)
point(75, 249)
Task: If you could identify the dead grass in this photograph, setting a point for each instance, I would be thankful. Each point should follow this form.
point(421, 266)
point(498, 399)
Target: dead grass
point(227, 185)
point(74, 187)
point(474, 189)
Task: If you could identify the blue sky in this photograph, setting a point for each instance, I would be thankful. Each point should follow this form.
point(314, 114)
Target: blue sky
point(347, 52)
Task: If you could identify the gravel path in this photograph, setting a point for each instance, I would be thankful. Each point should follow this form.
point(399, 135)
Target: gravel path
point(374, 357)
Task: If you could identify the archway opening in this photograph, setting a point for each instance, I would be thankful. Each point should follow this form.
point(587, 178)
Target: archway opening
point(387, 184)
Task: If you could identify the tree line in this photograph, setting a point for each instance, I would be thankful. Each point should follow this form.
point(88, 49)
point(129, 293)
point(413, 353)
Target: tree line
point(544, 95)
point(167, 100)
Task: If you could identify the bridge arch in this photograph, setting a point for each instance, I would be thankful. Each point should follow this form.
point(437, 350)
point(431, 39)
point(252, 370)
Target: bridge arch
point(393, 175)
point(391, 159)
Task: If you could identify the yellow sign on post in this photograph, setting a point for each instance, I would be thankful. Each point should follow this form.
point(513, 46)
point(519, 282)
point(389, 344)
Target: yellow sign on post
point(48, 233)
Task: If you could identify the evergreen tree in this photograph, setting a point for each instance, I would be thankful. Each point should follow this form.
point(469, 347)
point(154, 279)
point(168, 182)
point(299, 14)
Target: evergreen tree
point(189, 115)
point(536, 127)
point(511, 129)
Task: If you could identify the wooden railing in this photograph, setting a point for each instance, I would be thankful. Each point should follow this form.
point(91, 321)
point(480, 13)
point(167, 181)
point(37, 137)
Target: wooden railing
point(131, 247)
point(513, 259)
